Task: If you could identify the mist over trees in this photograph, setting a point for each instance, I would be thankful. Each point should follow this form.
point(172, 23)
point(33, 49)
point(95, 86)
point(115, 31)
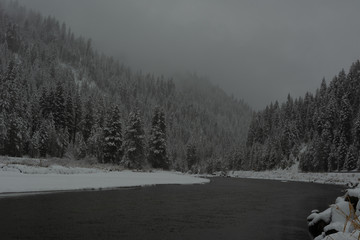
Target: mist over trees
point(321, 130)
point(61, 98)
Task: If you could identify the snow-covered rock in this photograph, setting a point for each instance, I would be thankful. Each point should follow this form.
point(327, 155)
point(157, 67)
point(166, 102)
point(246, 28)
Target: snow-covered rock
point(340, 221)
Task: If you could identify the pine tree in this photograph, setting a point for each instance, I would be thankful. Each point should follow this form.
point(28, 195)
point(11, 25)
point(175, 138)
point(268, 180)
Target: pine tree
point(157, 144)
point(88, 120)
point(134, 148)
point(345, 117)
point(34, 145)
point(356, 130)
point(77, 115)
point(342, 151)
point(59, 110)
point(191, 156)
point(63, 141)
point(95, 143)
point(332, 158)
point(3, 134)
point(16, 135)
point(80, 146)
point(350, 160)
point(69, 117)
point(43, 139)
point(43, 101)
point(113, 138)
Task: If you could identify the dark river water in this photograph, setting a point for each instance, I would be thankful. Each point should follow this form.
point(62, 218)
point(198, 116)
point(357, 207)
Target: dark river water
point(224, 209)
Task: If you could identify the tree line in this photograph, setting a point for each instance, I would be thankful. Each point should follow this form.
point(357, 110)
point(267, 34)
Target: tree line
point(321, 131)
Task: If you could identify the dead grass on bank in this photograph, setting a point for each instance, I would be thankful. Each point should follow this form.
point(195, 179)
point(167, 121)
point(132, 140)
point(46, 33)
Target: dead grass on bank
point(351, 219)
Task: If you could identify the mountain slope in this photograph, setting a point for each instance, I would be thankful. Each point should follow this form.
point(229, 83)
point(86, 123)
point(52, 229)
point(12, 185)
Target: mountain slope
point(58, 95)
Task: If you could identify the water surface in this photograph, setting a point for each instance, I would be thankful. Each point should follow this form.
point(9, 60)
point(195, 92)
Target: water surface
point(224, 209)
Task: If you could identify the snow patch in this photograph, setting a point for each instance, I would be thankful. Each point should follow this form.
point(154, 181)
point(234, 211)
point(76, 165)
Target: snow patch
point(16, 178)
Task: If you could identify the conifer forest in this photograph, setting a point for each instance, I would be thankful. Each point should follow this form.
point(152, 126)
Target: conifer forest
point(61, 98)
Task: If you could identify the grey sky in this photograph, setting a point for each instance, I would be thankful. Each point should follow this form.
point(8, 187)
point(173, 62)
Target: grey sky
point(259, 50)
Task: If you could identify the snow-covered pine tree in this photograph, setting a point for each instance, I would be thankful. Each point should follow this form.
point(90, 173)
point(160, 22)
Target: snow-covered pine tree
point(113, 137)
point(95, 143)
point(43, 101)
point(79, 146)
point(134, 147)
point(356, 130)
point(157, 156)
point(43, 139)
point(63, 141)
point(77, 114)
point(351, 159)
point(69, 116)
point(345, 117)
point(59, 110)
point(191, 156)
point(34, 145)
point(3, 133)
point(331, 161)
point(342, 151)
point(88, 119)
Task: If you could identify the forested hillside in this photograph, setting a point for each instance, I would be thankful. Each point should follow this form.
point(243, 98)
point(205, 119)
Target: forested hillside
point(62, 98)
point(320, 130)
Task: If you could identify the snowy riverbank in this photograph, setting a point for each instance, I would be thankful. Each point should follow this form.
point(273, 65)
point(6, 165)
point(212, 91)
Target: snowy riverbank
point(25, 178)
point(293, 174)
point(340, 221)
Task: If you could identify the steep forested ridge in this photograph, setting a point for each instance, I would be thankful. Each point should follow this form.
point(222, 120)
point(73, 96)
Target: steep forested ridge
point(321, 130)
point(60, 97)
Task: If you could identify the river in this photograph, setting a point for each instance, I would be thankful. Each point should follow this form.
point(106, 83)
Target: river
point(226, 208)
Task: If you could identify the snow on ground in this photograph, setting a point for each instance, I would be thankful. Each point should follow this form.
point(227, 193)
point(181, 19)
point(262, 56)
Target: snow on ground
point(293, 174)
point(17, 178)
point(341, 218)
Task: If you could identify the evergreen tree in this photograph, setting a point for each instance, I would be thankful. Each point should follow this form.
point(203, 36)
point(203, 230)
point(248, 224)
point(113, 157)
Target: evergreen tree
point(3, 134)
point(14, 144)
point(350, 160)
point(88, 120)
point(34, 145)
point(77, 115)
point(345, 117)
point(113, 138)
point(43, 139)
point(342, 151)
point(134, 148)
point(157, 144)
point(356, 130)
point(44, 103)
point(69, 117)
point(191, 156)
point(59, 104)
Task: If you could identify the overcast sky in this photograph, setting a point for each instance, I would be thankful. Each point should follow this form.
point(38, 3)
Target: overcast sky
point(259, 50)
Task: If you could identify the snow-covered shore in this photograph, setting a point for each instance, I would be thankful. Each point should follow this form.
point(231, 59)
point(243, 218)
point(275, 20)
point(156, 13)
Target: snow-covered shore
point(293, 174)
point(340, 221)
point(20, 178)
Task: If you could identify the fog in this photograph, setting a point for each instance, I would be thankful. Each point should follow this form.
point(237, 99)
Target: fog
point(258, 50)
